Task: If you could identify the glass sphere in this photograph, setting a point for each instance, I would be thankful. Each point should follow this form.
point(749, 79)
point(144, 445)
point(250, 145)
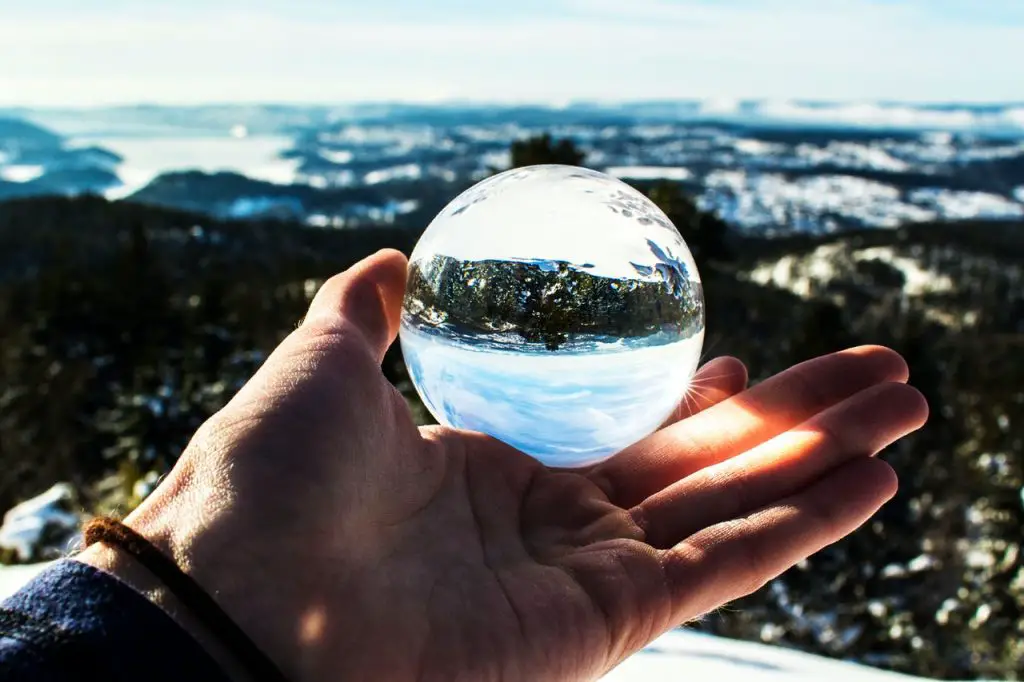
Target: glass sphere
point(556, 309)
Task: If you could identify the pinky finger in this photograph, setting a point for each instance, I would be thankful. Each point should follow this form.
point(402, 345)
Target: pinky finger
point(735, 558)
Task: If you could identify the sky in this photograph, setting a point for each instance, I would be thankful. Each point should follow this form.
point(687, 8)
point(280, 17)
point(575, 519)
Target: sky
point(96, 52)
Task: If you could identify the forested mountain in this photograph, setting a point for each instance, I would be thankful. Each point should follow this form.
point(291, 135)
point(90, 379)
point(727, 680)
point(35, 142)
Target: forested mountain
point(125, 326)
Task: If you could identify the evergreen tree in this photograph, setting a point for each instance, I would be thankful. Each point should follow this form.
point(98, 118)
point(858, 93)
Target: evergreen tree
point(542, 149)
point(705, 233)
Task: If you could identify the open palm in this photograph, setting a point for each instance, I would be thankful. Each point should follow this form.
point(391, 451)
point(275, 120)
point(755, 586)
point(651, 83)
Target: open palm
point(352, 545)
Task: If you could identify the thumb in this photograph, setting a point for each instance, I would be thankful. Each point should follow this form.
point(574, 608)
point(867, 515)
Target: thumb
point(367, 296)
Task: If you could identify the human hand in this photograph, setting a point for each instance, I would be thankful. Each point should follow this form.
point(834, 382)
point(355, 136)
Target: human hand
point(351, 545)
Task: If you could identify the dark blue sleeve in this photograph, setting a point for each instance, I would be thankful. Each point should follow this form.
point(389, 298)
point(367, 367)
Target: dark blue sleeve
point(74, 622)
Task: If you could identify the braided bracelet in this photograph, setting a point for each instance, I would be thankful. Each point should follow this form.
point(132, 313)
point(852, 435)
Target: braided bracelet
point(114, 533)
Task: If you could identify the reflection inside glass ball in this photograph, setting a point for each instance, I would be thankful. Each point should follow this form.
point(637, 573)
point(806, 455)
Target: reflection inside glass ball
point(556, 309)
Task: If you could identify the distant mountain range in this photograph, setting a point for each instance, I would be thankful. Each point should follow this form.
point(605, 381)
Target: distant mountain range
point(763, 167)
point(35, 161)
point(988, 119)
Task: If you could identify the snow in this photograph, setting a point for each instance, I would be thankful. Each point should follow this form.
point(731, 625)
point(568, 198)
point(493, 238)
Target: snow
point(386, 213)
point(851, 155)
point(758, 147)
point(685, 655)
point(338, 156)
point(987, 153)
point(40, 519)
point(408, 171)
point(866, 114)
point(769, 200)
point(802, 275)
point(383, 136)
point(964, 205)
point(918, 280)
point(13, 577)
point(321, 220)
point(748, 180)
point(246, 207)
point(872, 115)
point(20, 173)
point(650, 172)
point(719, 106)
point(498, 159)
point(649, 132)
point(256, 156)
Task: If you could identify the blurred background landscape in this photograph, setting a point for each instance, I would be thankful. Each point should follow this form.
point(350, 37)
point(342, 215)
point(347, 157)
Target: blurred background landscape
point(176, 185)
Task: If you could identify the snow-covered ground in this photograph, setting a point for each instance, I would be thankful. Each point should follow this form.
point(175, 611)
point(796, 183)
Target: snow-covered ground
point(813, 203)
point(145, 158)
point(803, 274)
point(21, 173)
point(650, 172)
point(756, 200)
point(13, 577)
point(966, 205)
point(683, 656)
point(43, 525)
point(856, 164)
point(680, 656)
point(1007, 119)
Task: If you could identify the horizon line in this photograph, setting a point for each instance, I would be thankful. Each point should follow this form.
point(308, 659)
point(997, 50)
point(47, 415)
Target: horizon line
point(519, 103)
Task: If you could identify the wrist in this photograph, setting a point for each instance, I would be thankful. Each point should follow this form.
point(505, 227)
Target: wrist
point(123, 567)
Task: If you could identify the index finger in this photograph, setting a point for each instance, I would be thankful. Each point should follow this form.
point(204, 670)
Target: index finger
point(744, 421)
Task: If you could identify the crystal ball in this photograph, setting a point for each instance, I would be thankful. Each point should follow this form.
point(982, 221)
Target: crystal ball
point(556, 309)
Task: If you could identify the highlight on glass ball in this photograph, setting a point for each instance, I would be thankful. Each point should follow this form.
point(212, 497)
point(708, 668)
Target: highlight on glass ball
point(556, 309)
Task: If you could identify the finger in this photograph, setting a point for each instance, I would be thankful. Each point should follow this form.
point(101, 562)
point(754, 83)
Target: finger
point(735, 558)
point(742, 422)
point(859, 426)
point(716, 381)
point(368, 296)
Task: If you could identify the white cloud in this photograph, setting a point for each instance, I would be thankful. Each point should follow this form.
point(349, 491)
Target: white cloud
point(611, 50)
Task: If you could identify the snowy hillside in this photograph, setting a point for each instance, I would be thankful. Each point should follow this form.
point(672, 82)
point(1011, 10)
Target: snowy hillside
point(683, 656)
point(762, 166)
